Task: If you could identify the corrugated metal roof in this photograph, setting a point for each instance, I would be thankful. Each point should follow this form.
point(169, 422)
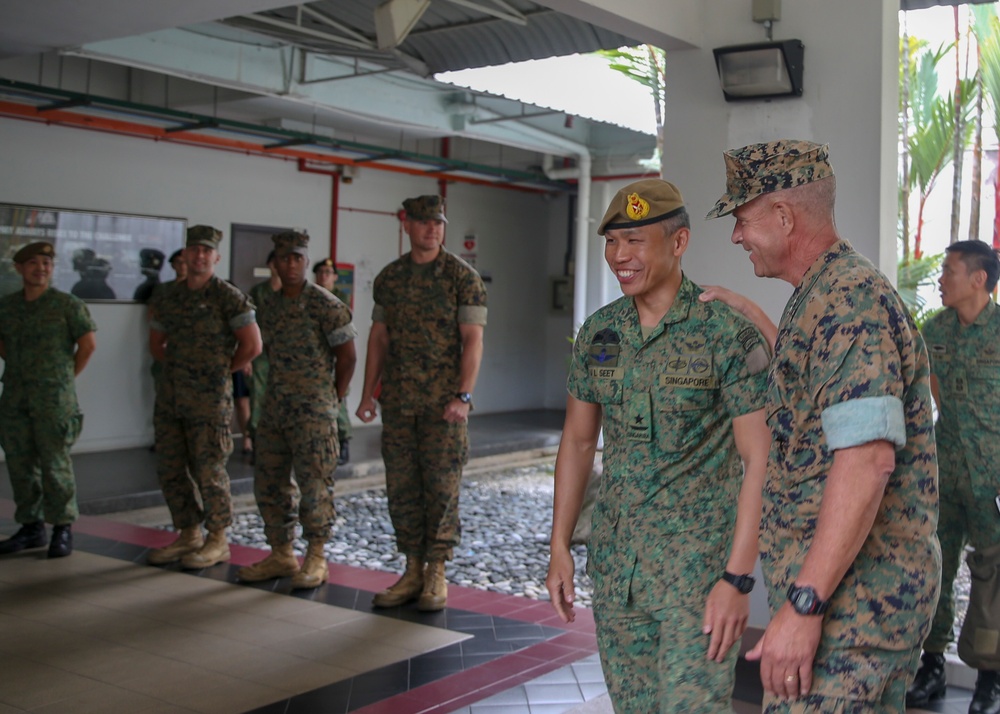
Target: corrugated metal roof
point(448, 36)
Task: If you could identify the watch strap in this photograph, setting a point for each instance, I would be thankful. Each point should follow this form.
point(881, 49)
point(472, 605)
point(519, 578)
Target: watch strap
point(743, 583)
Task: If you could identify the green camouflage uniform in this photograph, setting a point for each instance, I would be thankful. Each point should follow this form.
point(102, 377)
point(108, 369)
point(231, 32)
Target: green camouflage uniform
point(966, 362)
point(851, 368)
point(664, 518)
point(345, 430)
point(422, 307)
point(40, 418)
point(298, 428)
point(258, 386)
point(194, 400)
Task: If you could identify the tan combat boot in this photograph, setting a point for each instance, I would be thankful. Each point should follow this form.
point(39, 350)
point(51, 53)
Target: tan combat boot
point(314, 570)
point(215, 550)
point(435, 594)
point(188, 541)
point(406, 588)
point(279, 564)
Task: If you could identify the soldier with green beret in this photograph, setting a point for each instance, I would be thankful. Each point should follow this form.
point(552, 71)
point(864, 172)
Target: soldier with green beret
point(678, 387)
point(202, 330)
point(848, 544)
point(964, 345)
point(309, 338)
point(46, 339)
point(424, 348)
point(325, 272)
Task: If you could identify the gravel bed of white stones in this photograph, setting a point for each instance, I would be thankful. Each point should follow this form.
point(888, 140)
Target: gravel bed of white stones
point(506, 523)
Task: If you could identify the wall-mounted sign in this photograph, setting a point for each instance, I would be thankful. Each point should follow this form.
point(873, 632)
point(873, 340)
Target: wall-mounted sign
point(99, 256)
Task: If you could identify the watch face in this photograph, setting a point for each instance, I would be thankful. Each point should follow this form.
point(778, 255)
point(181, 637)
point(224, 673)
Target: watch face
point(802, 600)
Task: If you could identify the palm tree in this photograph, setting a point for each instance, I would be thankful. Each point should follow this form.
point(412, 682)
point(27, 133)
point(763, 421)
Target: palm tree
point(646, 65)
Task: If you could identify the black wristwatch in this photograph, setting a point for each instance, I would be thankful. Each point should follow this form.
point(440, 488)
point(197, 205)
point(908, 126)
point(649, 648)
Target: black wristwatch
point(805, 600)
point(743, 583)
point(464, 397)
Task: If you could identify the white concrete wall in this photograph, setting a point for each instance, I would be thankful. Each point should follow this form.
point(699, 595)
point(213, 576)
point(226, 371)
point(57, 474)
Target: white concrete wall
point(72, 168)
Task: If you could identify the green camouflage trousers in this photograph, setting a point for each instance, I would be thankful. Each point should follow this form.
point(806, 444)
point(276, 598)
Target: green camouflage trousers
point(424, 456)
point(38, 461)
point(191, 457)
point(888, 673)
point(310, 447)
point(966, 518)
point(656, 661)
point(344, 429)
point(258, 387)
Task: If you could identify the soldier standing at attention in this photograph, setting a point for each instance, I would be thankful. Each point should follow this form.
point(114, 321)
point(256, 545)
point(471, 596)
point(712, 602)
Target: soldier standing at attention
point(848, 544)
point(425, 346)
point(46, 339)
point(309, 338)
point(202, 331)
point(964, 345)
point(679, 387)
point(325, 272)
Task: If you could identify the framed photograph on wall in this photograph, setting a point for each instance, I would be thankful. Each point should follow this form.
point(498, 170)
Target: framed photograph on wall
point(100, 257)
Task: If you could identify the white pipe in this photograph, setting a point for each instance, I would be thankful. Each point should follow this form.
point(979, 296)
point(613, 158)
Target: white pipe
point(582, 238)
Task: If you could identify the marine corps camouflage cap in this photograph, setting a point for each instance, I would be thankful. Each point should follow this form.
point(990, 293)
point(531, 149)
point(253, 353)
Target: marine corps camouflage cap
point(772, 166)
point(204, 235)
point(32, 249)
point(293, 241)
point(641, 203)
point(425, 208)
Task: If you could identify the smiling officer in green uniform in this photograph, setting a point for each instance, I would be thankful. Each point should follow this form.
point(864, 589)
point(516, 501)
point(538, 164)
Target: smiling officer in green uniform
point(46, 339)
point(678, 387)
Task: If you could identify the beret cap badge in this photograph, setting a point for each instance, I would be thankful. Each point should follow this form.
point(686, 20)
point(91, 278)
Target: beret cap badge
point(637, 208)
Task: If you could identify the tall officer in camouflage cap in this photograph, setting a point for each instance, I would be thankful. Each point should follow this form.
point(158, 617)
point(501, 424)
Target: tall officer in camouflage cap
point(425, 346)
point(309, 339)
point(202, 330)
point(848, 544)
point(679, 388)
point(964, 345)
point(325, 272)
point(46, 339)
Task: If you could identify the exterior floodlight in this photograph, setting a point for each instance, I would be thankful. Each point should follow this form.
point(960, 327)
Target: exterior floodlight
point(761, 70)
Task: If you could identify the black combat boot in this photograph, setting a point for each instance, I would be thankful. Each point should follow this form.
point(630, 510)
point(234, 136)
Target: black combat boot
point(30, 535)
point(986, 698)
point(345, 453)
point(61, 544)
point(929, 683)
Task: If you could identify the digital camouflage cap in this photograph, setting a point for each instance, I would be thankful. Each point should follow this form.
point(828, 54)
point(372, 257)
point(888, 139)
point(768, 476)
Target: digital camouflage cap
point(288, 242)
point(204, 235)
point(425, 208)
point(32, 249)
point(772, 166)
point(641, 203)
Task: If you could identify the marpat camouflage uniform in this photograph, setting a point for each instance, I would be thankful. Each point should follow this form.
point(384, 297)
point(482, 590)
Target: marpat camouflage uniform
point(261, 366)
point(966, 361)
point(298, 427)
point(194, 399)
point(40, 418)
point(422, 307)
point(847, 354)
point(664, 519)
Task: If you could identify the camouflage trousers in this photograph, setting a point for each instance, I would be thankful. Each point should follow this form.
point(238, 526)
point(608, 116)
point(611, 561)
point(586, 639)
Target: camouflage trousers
point(655, 661)
point(310, 448)
point(258, 388)
point(968, 516)
point(41, 472)
point(887, 673)
point(424, 456)
point(191, 465)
